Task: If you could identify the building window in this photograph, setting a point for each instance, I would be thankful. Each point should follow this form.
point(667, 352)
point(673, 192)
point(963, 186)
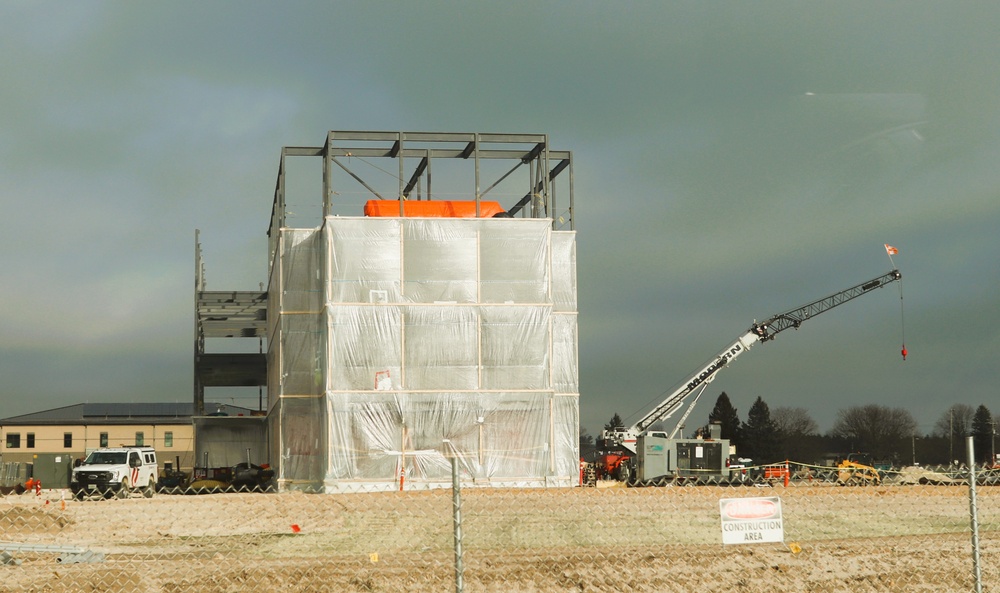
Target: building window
point(68, 440)
point(140, 439)
point(13, 440)
point(168, 439)
point(30, 440)
point(104, 439)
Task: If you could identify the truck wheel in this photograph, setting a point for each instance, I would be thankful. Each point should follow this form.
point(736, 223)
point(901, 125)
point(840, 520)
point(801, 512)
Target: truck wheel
point(149, 490)
point(123, 490)
point(79, 494)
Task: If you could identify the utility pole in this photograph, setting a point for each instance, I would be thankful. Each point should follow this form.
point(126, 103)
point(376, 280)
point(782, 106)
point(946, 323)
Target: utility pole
point(993, 442)
point(951, 435)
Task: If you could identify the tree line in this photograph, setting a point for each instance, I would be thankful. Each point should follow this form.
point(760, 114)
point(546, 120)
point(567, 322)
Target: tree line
point(889, 435)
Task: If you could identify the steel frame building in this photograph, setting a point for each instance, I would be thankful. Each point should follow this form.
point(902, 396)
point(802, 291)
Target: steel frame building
point(520, 171)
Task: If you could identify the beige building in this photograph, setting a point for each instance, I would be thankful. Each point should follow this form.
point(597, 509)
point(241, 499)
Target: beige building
point(74, 431)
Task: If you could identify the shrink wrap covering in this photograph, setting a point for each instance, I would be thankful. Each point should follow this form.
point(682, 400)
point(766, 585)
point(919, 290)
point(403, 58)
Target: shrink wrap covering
point(399, 342)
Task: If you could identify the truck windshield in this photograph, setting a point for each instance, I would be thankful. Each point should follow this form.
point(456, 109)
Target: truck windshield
point(105, 458)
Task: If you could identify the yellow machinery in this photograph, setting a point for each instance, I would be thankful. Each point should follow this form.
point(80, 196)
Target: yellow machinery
point(857, 470)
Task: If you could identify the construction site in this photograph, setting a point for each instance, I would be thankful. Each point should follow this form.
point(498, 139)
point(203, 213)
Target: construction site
point(415, 352)
point(430, 313)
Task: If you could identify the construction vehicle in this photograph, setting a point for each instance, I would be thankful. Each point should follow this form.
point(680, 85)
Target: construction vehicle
point(172, 479)
point(242, 477)
point(857, 469)
point(634, 454)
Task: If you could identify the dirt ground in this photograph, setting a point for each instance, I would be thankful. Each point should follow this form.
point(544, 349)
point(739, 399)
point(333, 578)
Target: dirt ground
point(902, 538)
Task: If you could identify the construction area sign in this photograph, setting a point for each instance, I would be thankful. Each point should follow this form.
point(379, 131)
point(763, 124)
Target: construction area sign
point(751, 520)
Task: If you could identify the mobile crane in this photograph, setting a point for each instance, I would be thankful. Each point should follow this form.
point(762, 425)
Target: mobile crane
point(634, 454)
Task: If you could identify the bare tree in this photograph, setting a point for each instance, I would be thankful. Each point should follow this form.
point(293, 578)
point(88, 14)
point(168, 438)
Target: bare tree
point(798, 434)
point(955, 422)
point(794, 422)
point(878, 430)
point(954, 425)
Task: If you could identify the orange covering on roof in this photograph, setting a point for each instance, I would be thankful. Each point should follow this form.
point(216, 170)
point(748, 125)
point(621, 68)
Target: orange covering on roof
point(433, 208)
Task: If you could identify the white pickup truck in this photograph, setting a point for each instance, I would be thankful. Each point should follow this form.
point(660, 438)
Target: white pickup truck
point(116, 471)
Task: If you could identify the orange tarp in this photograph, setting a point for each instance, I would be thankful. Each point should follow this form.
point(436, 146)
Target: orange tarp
point(432, 208)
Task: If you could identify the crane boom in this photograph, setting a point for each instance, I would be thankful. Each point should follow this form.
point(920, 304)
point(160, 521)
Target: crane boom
point(758, 332)
point(795, 317)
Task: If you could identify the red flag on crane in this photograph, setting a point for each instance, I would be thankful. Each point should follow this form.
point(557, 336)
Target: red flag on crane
point(891, 251)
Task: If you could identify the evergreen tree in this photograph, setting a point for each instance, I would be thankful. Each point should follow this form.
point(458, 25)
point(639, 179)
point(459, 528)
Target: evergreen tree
point(587, 445)
point(615, 422)
point(982, 434)
point(761, 441)
point(725, 414)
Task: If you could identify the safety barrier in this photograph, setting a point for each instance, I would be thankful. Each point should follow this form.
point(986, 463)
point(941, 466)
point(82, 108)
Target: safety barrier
point(809, 533)
point(11, 473)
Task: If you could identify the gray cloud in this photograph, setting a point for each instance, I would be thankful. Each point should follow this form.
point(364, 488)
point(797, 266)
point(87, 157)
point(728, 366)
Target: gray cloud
point(732, 161)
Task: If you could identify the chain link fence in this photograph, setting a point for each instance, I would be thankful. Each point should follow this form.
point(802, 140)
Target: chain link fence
point(902, 534)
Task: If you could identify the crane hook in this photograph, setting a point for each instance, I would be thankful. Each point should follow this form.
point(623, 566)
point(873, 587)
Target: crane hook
point(903, 352)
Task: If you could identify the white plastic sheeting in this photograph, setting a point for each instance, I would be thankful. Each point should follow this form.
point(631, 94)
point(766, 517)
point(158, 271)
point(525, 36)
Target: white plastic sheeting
point(396, 343)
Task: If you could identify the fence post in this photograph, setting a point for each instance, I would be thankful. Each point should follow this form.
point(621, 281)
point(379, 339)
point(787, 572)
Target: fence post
point(456, 503)
point(974, 512)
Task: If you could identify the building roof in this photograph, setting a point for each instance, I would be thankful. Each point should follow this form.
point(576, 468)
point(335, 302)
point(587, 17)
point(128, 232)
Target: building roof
point(124, 413)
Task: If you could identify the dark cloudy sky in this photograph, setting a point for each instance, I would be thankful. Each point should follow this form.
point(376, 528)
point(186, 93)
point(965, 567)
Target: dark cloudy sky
point(732, 160)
